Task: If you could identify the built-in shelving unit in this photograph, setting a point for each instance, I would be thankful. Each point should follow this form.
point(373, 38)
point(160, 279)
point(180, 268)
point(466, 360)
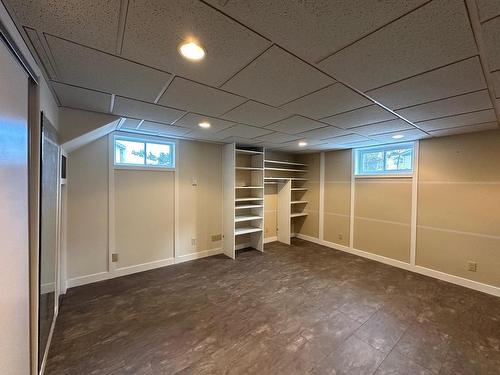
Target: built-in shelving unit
point(288, 176)
point(243, 198)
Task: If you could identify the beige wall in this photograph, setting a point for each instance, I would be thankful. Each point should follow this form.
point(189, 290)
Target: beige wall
point(200, 206)
point(144, 216)
point(382, 216)
point(337, 197)
point(199, 174)
point(458, 210)
point(459, 205)
point(270, 210)
point(87, 210)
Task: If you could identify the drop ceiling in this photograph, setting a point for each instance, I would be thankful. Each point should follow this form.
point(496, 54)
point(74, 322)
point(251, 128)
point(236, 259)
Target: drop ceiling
point(337, 74)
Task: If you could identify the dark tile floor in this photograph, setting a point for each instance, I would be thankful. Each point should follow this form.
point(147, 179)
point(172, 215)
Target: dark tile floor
point(303, 309)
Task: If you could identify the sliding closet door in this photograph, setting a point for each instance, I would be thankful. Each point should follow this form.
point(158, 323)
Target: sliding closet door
point(14, 251)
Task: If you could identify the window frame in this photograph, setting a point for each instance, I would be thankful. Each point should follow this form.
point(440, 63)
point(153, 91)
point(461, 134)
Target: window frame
point(143, 139)
point(384, 148)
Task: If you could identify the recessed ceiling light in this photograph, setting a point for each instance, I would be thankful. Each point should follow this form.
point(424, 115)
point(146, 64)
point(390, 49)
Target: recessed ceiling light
point(398, 136)
point(192, 51)
point(204, 124)
point(302, 144)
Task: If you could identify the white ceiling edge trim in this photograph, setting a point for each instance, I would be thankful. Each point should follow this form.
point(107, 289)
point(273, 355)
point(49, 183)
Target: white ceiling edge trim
point(89, 137)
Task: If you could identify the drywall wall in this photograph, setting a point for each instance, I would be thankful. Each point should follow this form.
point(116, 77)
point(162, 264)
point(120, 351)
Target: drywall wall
point(199, 205)
point(337, 197)
point(87, 210)
point(200, 196)
point(270, 211)
point(457, 208)
point(75, 123)
point(144, 216)
point(459, 205)
point(382, 216)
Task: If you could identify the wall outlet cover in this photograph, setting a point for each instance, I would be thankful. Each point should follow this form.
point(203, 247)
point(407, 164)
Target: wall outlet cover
point(216, 237)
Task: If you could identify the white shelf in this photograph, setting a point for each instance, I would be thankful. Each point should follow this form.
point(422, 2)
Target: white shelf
point(299, 189)
point(276, 178)
point(245, 230)
point(298, 214)
point(249, 187)
point(248, 152)
point(285, 163)
point(249, 169)
point(245, 206)
point(241, 218)
point(248, 199)
point(299, 202)
point(286, 170)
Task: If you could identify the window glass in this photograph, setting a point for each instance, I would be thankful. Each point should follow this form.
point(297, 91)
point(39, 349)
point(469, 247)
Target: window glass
point(129, 152)
point(158, 154)
point(390, 159)
point(146, 154)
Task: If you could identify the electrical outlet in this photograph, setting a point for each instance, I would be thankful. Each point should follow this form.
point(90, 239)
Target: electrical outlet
point(193, 241)
point(472, 266)
point(340, 236)
point(114, 257)
point(216, 237)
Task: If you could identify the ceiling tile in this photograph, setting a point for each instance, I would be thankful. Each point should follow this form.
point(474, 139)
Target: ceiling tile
point(466, 129)
point(322, 133)
point(382, 127)
point(155, 29)
point(191, 120)
point(202, 135)
point(40, 52)
point(458, 120)
point(491, 37)
point(454, 79)
point(130, 123)
point(253, 113)
point(76, 97)
point(310, 28)
point(367, 143)
point(243, 131)
point(431, 36)
point(195, 97)
point(362, 116)
point(446, 107)
point(94, 23)
point(294, 145)
point(345, 139)
point(276, 77)
point(163, 129)
point(295, 124)
point(328, 101)
point(278, 137)
point(242, 141)
point(82, 66)
point(145, 111)
point(409, 135)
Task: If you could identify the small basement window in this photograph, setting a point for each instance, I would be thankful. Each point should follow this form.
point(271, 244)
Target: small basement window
point(136, 152)
point(389, 160)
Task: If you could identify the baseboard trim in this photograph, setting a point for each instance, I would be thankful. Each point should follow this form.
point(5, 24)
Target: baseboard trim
point(271, 239)
point(197, 255)
point(87, 279)
point(143, 267)
point(101, 276)
point(467, 283)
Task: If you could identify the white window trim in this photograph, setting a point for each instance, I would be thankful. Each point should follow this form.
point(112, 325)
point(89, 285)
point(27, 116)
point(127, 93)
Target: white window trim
point(396, 174)
point(146, 139)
